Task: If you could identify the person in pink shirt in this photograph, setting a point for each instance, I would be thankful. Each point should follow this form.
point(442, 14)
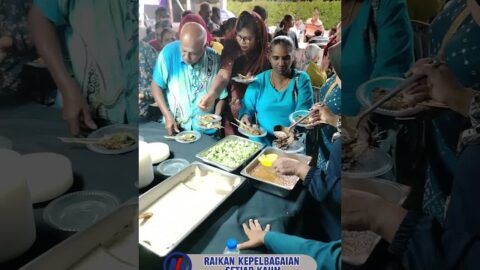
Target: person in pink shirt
point(313, 24)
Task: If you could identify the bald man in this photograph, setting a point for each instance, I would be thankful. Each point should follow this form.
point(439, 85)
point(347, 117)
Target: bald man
point(184, 72)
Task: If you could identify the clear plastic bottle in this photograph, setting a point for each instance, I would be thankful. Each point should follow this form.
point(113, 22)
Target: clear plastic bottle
point(231, 247)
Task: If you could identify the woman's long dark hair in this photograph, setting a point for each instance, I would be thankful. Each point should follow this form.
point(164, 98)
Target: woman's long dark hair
point(286, 18)
point(246, 20)
point(228, 25)
point(253, 22)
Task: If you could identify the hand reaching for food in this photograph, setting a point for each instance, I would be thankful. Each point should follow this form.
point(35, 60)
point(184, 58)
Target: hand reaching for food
point(252, 129)
point(76, 111)
point(366, 211)
point(171, 125)
point(207, 102)
point(288, 166)
point(255, 234)
point(358, 209)
point(440, 85)
point(323, 115)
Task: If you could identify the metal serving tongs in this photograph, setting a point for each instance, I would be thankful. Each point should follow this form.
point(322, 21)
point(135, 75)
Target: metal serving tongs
point(401, 87)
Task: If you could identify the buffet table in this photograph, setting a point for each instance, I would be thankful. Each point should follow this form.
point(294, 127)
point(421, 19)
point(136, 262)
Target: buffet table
point(34, 128)
point(283, 214)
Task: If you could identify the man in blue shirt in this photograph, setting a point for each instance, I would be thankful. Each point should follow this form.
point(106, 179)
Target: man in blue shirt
point(183, 73)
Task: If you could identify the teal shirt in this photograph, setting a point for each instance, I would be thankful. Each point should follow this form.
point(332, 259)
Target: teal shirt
point(462, 56)
point(102, 44)
point(184, 85)
point(393, 51)
point(273, 107)
point(327, 255)
point(334, 104)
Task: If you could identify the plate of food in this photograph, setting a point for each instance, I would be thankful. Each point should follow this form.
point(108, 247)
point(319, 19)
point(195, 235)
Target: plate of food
point(188, 136)
point(246, 79)
point(294, 147)
point(115, 139)
point(297, 115)
point(208, 123)
point(286, 140)
point(252, 131)
point(401, 105)
point(362, 159)
point(370, 163)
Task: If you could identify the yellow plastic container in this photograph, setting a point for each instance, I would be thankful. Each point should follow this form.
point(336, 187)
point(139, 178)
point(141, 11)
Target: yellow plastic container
point(267, 160)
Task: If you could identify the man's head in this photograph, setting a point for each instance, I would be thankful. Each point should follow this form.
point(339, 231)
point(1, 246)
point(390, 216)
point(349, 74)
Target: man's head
point(216, 15)
point(193, 41)
point(161, 13)
point(205, 11)
point(312, 52)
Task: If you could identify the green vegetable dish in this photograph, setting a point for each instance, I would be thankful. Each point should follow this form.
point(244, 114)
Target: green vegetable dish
point(231, 153)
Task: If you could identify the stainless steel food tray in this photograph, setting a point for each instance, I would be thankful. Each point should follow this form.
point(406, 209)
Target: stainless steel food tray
point(221, 166)
point(267, 186)
point(153, 196)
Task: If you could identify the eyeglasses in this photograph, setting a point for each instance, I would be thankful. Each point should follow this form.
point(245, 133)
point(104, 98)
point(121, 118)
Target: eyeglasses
point(244, 39)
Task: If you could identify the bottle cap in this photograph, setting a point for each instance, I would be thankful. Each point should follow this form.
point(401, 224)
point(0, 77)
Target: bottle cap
point(231, 243)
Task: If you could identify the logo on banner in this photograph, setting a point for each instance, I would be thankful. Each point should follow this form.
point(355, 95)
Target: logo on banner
point(177, 261)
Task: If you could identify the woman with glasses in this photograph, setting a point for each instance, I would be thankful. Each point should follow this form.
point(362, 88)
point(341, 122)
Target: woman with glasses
point(277, 92)
point(245, 53)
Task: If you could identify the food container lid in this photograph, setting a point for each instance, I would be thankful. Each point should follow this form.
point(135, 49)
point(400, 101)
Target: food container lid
point(77, 211)
point(172, 166)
